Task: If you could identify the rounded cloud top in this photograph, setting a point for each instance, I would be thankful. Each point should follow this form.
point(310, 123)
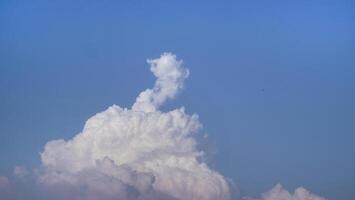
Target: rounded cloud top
point(170, 79)
point(139, 153)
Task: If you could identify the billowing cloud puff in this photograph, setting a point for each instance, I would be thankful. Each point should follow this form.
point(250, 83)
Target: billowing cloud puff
point(170, 79)
point(279, 193)
point(138, 153)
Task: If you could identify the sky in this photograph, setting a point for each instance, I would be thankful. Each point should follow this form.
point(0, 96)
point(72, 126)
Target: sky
point(272, 82)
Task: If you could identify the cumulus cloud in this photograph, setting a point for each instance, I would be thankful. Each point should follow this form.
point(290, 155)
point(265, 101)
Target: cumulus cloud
point(138, 153)
point(279, 193)
point(170, 79)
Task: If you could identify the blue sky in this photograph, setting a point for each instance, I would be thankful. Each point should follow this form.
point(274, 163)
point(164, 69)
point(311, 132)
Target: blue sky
point(272, 82)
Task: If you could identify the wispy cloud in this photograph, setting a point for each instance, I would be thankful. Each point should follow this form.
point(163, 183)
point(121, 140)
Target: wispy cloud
point(20, 171)
point(4, 182)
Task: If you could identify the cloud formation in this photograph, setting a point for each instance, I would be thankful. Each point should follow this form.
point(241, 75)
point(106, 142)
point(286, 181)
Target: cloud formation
point(170, 79)
point(138, 153)
point(279, 193)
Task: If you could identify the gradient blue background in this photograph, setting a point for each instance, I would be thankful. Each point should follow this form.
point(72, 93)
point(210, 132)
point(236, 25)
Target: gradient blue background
point(272, 81)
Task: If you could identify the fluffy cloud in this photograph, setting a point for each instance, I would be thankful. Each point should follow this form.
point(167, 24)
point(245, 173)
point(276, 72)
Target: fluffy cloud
point(138, 153)
point(279, 193)
point(170, 79)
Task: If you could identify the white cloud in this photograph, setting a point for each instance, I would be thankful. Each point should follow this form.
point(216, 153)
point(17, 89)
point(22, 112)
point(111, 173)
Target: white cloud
point(170, 79)
point(279, 193)
point(138, 153)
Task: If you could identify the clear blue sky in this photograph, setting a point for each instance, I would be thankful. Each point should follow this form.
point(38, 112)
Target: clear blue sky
point(272, 81)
